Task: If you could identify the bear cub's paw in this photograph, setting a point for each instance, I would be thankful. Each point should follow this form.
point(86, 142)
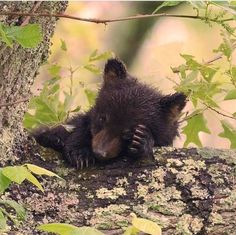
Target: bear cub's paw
point(45, 137)
point(140, 142)
point(79, 158)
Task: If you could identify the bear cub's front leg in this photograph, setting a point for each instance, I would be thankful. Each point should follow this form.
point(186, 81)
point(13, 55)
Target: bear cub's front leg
point(140, 142)
point(78, 156)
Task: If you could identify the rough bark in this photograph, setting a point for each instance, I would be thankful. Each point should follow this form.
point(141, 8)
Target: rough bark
point(186, 191)
point(18, 68)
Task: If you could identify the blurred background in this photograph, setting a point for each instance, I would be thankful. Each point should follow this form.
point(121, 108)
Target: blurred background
point(149, 47)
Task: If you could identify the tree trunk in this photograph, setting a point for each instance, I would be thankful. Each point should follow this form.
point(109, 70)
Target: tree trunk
point(186, 191)
point(18, 68)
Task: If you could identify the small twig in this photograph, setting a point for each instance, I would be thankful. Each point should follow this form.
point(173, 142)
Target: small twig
point(105, 21)
point(220, 113)
point(218, 197)
point(218, 57)
point(71, 80)
point(191, 116)
point(207, 107)
point(13, 103)
point(27, 18)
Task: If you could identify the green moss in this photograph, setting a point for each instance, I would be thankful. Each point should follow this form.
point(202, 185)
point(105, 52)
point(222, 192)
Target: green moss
point(123, 223)
point(110, 217)
point(229, 155)
point(104, 226)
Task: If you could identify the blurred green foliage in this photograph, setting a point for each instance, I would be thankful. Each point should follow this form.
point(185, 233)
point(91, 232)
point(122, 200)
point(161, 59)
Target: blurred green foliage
point(199, 80)
point(56, 103)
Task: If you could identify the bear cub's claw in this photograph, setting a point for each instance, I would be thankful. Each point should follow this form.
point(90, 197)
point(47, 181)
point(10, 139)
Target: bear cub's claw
point(80, 158)
point(141, 141)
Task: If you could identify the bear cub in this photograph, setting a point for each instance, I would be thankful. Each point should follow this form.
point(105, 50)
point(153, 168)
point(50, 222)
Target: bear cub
point(128, 118)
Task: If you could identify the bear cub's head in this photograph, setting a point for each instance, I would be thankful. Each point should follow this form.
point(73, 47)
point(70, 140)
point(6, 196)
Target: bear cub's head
point(122, 105)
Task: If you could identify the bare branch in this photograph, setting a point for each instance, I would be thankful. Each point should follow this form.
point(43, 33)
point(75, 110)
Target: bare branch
point(220, 113)
point(105, 21)
point(203, 110)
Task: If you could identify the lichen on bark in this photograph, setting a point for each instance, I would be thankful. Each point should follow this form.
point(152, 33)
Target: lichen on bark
point(105, 195)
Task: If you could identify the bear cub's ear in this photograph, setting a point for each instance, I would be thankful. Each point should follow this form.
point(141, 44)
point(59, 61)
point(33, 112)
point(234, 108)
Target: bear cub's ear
point(114, 69)
point(172, 105)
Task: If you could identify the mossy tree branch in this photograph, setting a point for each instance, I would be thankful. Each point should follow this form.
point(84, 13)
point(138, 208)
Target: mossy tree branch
point(186, 191)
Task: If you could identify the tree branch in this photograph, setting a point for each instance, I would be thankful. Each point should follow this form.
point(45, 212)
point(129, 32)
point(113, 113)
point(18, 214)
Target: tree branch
point(13, 103)
point(27, 19)
point(220, 113)
point(105, 21)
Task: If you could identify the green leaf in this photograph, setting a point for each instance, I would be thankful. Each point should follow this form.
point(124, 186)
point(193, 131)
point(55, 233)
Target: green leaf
point(228, 133)
point(63, 45)
point(59, 228)
point(53, 80)
point(233, 73)
point(67, 229)
point(93, 68)
point(146, 226)
point(45, 108)
point(15, 173)
point(189, 79)
point(54, 89)
point(34, 181)
point(231, 95)
point(91, 96)
point(166, 4)
point(187, 57)
point(54, 70)
point(195, 125)
point(30, 121)
point(226, 47)
point(102, 56)
point(191, 62)
point(210, 102)
point(3, 221)
point(131, 230)
point(208, 73)
point(4, 182)
point(40, 171)
point(88, 231)
point(93, 54)
point(69, 99)
point(20, 211)
point(4, 37)
point(27, 36)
